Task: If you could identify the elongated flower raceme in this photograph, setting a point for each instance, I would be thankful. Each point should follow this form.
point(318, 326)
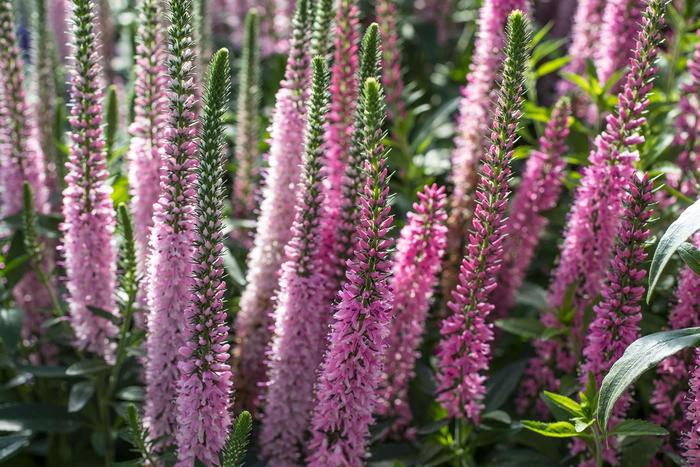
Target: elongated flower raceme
point(416, 266)
point(344, 93)
point(246, 152)
point(301, 315)
point(150, 119)
point(464, 351)
point(585, 34)
point(340, 220)
point(352, 366)
point(688, 125)
point(618, 34)
point(205, 386)
point(387, 18)
point(277, 211)
point(595, 217)
point(538, 193)
point(616, 322)
point(21, 160)
point(171, 256)
point(88, 247)
point(616, 317)
point(472, 128)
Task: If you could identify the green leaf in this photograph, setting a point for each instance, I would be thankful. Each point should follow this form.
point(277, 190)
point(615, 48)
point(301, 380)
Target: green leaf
point(233, 454)
point(565, 403)
point(104, 314)
point(552, 430)
point(36, 417)
point(690, 256)
point(232, 268)
point(638, 451)
point(12, 444)
point(80, 394)
point(86, 367)
point(634, 427)
point(641, 355)
point(579, 81)
point(552, 66)
point(131, 394)
point(10, 328)
point(529, 328)
point(677, 233)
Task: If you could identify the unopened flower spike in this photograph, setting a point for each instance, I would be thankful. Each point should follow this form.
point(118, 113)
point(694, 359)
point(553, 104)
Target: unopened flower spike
point(321, 31)
point(464, 351)
point(204, 389)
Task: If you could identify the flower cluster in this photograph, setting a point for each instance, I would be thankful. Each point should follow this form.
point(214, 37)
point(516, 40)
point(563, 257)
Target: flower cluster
point(253, 327)
point(301, 315)
point(465, 347)
point(417, 263)
point(172, 236)
point(89, 219)
point(351, 370)
point(204, 388)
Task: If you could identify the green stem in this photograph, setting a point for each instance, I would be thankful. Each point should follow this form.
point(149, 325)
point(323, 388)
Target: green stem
point(103, 412)
point(57, 308)
point(597, 448)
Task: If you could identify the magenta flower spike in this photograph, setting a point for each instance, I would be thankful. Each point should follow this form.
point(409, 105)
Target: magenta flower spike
point(147, 130)
point(351, 370)
point(618, 35)
point(171, 244)
point(585, 34)
point(539, 192)
point(616, 322)
point(472, 127)
point(387, 18)
point(688, 120)
point(21, 160)
point(301, 315)
point(205, 386)
point(277, 211)
point(417, 263)
point(339, 129)
point(466, 334)
point(596, 213)
point(595, 216)
point(88, 247)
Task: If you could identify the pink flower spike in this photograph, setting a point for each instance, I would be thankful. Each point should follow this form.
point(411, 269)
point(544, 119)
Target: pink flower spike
point(171, 251)
point(88, 246)
point(351, 370)
point(416, 265)
point(253, 326)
